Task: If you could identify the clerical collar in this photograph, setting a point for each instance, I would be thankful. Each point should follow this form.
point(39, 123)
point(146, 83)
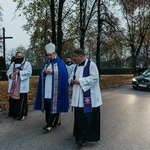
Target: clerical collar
point(69, 63)
point(82, 64)
point(51, 61)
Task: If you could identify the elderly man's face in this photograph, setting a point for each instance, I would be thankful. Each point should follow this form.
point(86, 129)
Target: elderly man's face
point(77, 58)
point(51, 56)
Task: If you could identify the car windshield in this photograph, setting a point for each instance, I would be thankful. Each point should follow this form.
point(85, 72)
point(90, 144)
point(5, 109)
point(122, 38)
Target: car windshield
point(146, 73)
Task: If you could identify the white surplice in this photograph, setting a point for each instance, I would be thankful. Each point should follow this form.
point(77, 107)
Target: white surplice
point(48, 84)
point(90, 82)
point(25, 75)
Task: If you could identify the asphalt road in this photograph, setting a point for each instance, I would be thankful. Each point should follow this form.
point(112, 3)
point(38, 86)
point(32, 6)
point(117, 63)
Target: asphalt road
point(125, 125)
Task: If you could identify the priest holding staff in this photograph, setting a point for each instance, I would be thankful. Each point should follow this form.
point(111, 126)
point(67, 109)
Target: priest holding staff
point(86, 99)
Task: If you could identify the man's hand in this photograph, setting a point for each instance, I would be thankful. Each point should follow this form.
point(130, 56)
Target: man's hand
point(12, 76)
point(75, 81)
point(48, 71)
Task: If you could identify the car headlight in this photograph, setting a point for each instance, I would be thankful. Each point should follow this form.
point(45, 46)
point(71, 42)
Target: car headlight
point(134, 80)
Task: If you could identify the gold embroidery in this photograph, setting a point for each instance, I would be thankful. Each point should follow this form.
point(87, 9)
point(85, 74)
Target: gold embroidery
point(55, 91)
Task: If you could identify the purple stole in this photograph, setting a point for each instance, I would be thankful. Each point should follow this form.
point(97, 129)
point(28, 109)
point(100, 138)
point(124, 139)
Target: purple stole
point(86, 95)
point(15, 87)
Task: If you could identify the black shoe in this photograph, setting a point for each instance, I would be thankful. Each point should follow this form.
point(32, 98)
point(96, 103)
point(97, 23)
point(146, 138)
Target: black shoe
point(47, 128)
point(22, 118)
point(80, 143)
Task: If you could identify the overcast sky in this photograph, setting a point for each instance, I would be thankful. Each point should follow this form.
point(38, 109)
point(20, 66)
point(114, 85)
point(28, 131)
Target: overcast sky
point(13, 26)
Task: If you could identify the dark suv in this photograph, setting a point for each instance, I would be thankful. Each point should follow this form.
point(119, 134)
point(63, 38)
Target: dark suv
point(142, 81)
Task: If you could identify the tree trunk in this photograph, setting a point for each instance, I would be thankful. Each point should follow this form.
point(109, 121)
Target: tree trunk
point(59, 29)
point(82, 24)
point(98, 37)
point(134, 60)
point(52, 6)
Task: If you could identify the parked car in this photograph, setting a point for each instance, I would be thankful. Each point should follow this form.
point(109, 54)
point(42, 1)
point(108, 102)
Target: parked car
point(142, 81)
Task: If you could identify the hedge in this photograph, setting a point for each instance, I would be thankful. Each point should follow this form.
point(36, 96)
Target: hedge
point(103, 71)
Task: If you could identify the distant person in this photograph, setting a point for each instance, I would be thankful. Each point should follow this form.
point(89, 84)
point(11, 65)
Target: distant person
point(18, 74)
point(70, 65)
point(86, 99)
point(52, 90)
point(141, 69)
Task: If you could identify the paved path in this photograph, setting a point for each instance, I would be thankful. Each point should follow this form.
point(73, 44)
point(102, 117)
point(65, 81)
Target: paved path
point(125, 125)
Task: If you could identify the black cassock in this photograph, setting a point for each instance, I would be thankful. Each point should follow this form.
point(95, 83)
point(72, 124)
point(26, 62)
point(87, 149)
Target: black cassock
point(87, 125)
point(19, 107)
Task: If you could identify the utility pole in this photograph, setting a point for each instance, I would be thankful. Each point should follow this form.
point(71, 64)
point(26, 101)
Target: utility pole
point(3, 38)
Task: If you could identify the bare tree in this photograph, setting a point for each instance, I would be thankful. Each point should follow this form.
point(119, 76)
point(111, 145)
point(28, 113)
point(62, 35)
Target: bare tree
point(86, 13)
point(137, 24)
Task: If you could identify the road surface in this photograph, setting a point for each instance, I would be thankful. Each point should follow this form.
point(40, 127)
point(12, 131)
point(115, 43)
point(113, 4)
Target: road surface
point(125, 125)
